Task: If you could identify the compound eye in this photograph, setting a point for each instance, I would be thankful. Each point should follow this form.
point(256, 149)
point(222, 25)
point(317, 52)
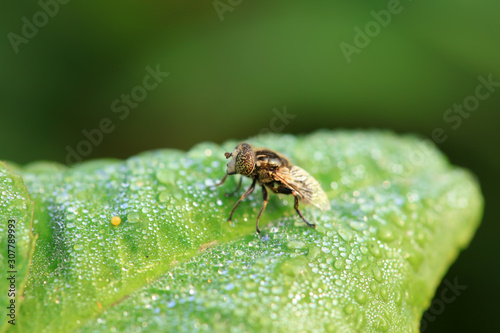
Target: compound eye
point(245, 160)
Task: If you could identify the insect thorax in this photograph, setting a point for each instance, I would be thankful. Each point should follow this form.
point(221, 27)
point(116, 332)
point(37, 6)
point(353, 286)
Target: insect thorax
point(270, 159)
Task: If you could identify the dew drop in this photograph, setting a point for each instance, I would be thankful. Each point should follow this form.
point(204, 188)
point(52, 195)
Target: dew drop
point(358, 225)
point(296, 244)
point(385, 233)
point(164, 196)
point(384, 293)
point(165, 176)
point(133, 217)
point(339, 264)
point(349, 308)
point(398, 296)
point(314, 252)
point(361, 297)
point(415, 259)
point(395, 219)
point(377, 273)
point(360, 320)
point(345, 234)
point(374, 287)
point(374, 249)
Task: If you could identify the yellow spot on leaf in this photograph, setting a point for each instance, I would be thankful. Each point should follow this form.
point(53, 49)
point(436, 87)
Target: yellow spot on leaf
point(116, 220)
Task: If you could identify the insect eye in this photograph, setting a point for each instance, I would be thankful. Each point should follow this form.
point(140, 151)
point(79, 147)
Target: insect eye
point(245, 159)
point(228, 155)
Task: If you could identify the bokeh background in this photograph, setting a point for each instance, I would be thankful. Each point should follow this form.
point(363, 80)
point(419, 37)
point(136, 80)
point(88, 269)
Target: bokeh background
point(232, 62)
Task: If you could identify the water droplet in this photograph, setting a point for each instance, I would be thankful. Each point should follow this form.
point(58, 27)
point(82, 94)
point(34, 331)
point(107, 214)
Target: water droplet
point(385, 233)
point(398, 296)
point(133, 217)
point(349, 308)
point(165, 176)
point(395, 219)
point(384, 293)
point(422, 237)
point(345, 234)
point(358, 225)
point(164, 196)
point(359, 320)
point(296, 244)
point(339, 264)
point(374, 287)
point(374, 249)
point(415, 258)
point(295, 266)
point(314, 252)
point(361, 297)
point(377, 273)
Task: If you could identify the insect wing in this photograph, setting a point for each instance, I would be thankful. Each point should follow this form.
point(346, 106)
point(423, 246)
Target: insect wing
point(306, 187)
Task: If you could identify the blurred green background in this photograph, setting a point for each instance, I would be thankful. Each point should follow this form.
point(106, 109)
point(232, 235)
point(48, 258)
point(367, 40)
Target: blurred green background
point(231, 63)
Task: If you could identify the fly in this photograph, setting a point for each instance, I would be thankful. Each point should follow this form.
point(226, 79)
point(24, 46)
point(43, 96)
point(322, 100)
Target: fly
point(274, 172)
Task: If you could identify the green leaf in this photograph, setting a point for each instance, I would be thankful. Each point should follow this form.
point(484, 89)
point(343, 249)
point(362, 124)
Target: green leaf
point(17, 243)
point(400, 214)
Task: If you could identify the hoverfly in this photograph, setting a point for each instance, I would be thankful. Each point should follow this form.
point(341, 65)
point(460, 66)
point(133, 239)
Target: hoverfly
point(274, 171)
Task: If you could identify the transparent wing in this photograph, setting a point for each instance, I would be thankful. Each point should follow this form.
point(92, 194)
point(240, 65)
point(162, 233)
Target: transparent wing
point(307, 188)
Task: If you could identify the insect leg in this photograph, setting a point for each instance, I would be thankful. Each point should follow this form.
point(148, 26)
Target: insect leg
point(300, 214)
point(250, 189)
point(265, 196)
point(222, 180)
point(237, 188)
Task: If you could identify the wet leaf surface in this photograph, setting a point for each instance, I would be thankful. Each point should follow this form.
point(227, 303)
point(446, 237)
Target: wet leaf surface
point(17, 242)
point(400, 214)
